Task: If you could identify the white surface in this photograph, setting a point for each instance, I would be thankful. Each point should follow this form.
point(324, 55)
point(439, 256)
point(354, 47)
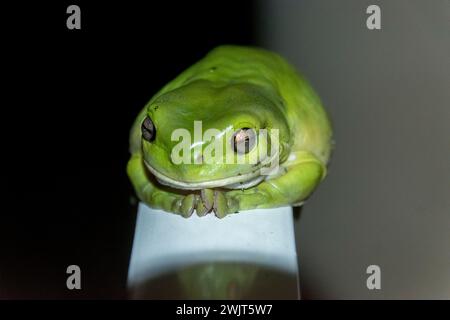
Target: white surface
point(164, 242)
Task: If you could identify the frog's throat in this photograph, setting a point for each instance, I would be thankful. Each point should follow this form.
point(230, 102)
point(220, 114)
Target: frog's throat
point(245, 180)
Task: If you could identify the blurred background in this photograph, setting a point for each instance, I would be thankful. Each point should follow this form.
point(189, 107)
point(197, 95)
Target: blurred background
point(386, 200)
point(74, 94)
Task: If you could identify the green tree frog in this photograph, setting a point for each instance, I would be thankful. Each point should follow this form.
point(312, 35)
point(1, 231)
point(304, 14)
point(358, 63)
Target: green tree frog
point(234, 93)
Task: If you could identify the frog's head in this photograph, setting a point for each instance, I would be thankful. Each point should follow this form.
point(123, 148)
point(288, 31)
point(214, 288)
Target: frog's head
point(206, 135)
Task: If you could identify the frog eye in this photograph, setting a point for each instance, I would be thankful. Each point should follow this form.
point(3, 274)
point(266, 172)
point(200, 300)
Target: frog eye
point(243, 140)
point(148, 129)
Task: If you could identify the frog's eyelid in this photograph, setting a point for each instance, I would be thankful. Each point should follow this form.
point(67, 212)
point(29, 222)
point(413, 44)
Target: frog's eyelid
point(245, 125)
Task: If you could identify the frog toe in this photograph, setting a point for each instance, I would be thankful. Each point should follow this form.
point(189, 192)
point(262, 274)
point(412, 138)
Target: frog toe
point(205, 202)
point(188, 205)
point(224, 205)
point(207, 196)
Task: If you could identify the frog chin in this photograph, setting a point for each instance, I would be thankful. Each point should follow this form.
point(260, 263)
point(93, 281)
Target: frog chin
point(244, 180)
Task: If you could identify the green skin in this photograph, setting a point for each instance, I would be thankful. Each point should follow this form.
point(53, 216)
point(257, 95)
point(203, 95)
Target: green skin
point(231, 88)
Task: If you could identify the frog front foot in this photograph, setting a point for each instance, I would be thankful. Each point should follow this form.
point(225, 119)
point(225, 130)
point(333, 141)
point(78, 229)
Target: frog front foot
point(215, 201)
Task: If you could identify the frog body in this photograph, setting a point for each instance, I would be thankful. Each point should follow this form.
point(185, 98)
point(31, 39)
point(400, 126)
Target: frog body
point(234, 93)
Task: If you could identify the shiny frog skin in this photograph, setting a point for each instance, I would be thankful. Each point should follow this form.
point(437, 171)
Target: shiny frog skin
point(239, 92)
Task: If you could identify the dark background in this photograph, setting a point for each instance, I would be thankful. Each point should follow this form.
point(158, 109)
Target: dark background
point(70, 99)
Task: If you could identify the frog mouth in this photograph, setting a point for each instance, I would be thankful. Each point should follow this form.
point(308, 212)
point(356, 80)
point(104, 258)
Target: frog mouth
point(242, 181)
point(224, 182)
